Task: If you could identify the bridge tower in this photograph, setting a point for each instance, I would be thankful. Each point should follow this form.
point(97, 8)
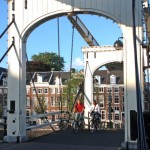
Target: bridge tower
point(29, 14)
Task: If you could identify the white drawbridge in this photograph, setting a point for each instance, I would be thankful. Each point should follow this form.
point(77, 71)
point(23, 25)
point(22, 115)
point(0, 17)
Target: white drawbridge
point(29, 14)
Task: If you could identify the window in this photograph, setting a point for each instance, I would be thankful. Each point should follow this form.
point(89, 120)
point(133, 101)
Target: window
point(58, 80)
point(40, 90)
point(39, 78)
point(97, 79)
point(103, 115)
point(113, 79)
point(122, 89)
point(101, 89)
point(5, 91)
point(101, 100)
point(27, 112)
point(45, 90)
point(4, 81)
point(1, 91)
point(57, 90)
point(109, 98)
point(52, 90)
point(117, 117)
point(116, 108)
point(57, 101)
point(52, 101)
point(28, 102)
point(53, 117)
point(109, 89)
point(33, 91)
point(123, 108)
point(123, 98)
point(27, 91)
point(116, 98)
point(122, 117)
point(109, 116)
point(5, 100)
point(116, 89)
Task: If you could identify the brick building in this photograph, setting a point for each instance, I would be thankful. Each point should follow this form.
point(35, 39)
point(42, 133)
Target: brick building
point(108, 91)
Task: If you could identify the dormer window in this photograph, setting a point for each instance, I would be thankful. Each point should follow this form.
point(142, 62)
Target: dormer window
point(58, 81)
point(112, 79)
point(97, 79)
point(39, 78)
point(4, 81)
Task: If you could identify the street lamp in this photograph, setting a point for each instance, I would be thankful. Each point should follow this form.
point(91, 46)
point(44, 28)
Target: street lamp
point(118, 44)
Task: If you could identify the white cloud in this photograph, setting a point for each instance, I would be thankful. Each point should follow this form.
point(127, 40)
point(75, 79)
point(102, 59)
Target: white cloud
point(78, 62)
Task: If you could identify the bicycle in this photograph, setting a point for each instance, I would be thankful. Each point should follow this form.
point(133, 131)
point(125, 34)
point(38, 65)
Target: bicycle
point(78, 124)
point(63, 124)
point(94, 123)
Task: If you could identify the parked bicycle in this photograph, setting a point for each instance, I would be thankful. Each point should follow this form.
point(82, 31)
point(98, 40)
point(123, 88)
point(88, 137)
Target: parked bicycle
point(63, 124)
point(94, 123)
point(78, 124)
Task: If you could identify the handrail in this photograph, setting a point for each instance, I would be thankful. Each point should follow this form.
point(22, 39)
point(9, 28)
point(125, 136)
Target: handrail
point(37, 116)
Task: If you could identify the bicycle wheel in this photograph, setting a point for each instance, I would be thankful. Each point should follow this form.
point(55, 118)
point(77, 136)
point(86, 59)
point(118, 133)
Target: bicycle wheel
point(91, 126)
point(75, 127)
point(83, 126)
point(63, 125)
point(98, 126)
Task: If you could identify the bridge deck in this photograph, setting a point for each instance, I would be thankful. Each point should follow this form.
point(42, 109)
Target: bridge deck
point(62, 140)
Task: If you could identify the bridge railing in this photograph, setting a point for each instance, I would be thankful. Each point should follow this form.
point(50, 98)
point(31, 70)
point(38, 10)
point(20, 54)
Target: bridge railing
point(60, 122)
point(41, 120)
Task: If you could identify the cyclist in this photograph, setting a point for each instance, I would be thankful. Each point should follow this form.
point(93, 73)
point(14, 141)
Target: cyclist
point(95, 110)
point(79, 111)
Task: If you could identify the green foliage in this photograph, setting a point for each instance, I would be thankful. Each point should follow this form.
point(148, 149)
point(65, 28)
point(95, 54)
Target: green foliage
point(51, 59)
point(41, 106)
point(37, 66)
point(71, 89)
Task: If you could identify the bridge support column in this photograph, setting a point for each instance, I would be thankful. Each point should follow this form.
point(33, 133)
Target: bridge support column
point(88, 89)
point(130, 95)
point(16, 107)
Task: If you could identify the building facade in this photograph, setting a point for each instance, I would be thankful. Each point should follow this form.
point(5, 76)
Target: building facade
point(108, 92)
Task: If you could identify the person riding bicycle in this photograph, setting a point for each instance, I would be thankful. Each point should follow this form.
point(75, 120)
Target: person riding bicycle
point(79, 111)
point(95, 110)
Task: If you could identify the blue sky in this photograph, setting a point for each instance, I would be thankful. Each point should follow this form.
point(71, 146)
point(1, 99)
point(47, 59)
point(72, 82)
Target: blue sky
point(44, 38)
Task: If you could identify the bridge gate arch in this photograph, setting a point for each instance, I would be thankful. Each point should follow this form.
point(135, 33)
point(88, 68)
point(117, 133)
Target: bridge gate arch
point(95, 57)
point(31, 13)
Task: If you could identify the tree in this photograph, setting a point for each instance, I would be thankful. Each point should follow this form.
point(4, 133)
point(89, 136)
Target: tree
point(34, 66)
point(72, 87)
point(51, 59)
point(40, 107)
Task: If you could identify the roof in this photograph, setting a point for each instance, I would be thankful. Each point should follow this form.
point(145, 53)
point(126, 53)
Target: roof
point(48, 76)
point(105, 76)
